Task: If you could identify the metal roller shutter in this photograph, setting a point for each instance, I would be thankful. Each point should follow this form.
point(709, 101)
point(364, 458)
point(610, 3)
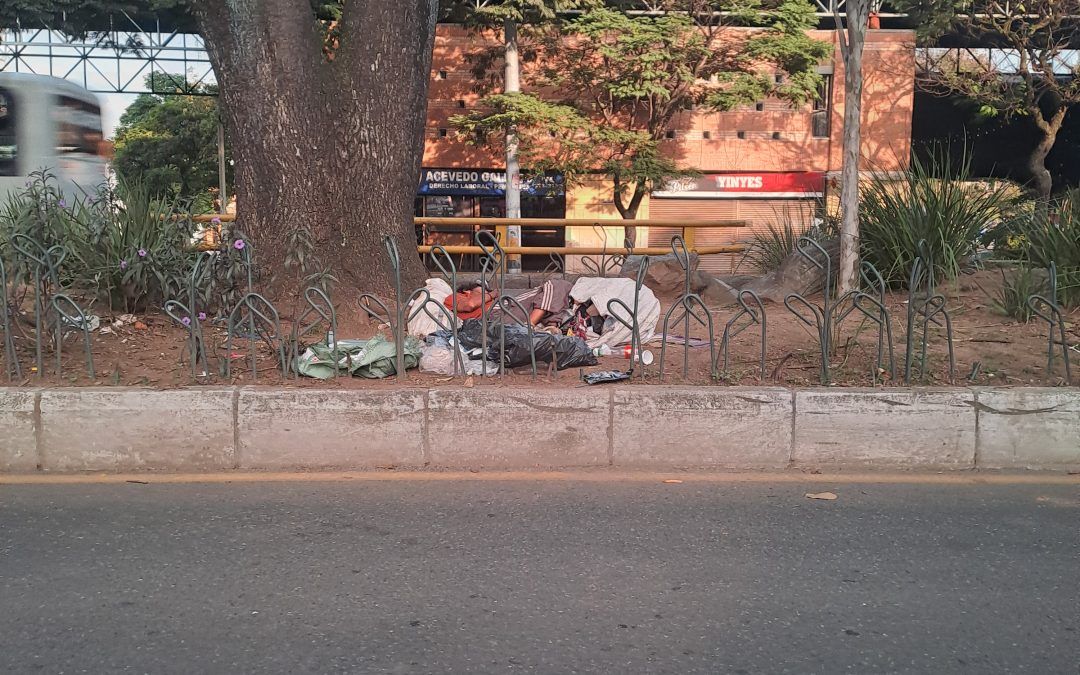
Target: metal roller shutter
point(691, 210)
point(759, 214)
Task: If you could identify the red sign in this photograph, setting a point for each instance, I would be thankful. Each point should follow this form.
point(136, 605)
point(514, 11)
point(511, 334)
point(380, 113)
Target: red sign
point(801, 184)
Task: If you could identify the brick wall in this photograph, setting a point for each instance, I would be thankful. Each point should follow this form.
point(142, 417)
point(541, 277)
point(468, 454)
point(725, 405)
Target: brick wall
point(775, 138)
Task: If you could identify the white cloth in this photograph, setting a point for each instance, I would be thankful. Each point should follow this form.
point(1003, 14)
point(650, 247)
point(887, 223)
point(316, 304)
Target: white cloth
point(422, 324)
point(600, 291)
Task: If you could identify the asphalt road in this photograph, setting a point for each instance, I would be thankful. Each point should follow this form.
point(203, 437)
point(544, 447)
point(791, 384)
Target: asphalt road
point(554, 577)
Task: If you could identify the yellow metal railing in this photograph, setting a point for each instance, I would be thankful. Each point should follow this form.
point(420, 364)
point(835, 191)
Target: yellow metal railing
point(499, 225)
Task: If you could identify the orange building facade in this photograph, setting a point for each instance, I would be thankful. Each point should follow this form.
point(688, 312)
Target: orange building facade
point(762, 164)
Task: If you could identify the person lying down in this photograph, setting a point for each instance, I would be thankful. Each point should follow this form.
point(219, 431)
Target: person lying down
point(583, 308)
point(547, 306)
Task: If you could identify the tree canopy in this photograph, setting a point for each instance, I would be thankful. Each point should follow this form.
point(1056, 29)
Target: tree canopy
point(169, 142)
point(1028, 67)
point(606, 87)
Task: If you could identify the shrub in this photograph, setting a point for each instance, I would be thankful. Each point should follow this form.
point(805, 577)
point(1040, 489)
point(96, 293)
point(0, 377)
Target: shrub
point(1052, 235)
point(768, 248)
point(1012, 299)
point(933, 210)
point(124, 245)
point(134, 247)
point(39, 212)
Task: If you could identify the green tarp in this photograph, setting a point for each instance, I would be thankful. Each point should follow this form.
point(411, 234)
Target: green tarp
point(373, 359)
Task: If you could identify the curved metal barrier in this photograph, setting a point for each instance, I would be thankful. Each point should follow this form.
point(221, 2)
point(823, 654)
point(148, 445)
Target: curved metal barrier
point(693, 307)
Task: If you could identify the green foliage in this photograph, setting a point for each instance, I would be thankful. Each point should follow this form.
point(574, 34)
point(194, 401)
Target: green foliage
point(1053, 236)
point(933, 210)
point(131, 247)
point(518, 11)
point(1033, 76)
point(83, 17)
point(38, 213)
point(931, 18)
point(230, 274)
point(1011, 300)
point(609, 85)
point(303, 265)
point(169, 142)
point(124, 246)
point(769, 248)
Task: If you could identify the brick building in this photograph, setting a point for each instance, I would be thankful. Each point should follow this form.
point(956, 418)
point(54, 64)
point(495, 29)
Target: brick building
point(760, 164)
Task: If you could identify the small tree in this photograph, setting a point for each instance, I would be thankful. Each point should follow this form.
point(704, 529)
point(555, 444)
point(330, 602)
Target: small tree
point(607, 87)
point(852, 41)
point(1031, 70)
point(167, 141)
point(509, 15)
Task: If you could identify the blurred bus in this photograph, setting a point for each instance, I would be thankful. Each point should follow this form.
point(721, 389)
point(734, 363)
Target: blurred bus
point(50, 123)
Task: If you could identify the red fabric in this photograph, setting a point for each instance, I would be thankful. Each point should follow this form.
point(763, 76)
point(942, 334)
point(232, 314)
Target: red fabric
point(468, 305)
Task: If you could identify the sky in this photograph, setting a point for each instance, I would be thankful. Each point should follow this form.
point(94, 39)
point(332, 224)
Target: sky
point(106, 69)
point(112, 107)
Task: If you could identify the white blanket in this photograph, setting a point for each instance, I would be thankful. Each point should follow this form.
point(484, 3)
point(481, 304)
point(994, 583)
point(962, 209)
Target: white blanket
point(422, 324)
point(600, 291)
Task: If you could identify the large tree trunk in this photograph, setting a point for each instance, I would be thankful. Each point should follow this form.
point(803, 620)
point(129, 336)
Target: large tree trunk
point(1042, 183)
point(851, 44)
point(332, 145)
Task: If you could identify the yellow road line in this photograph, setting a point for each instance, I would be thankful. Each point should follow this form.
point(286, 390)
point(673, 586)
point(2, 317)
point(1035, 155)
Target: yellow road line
point(590, 476)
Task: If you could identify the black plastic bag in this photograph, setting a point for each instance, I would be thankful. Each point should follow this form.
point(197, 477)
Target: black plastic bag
point(567, 352)
point(606, 376)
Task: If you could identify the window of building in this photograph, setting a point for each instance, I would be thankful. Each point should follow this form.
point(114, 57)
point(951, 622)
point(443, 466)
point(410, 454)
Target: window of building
point(759, 106)
point(9, 142)
point(443, 133)
point(741, 135)
point(670, 134)
point(776, 136)
point(707, 135)
point(442, 74)
point(461, 103)
point(822, 111)
point(492, 207)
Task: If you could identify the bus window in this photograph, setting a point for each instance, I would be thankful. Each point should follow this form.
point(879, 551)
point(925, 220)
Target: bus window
point(78, 126)
point(9, 144)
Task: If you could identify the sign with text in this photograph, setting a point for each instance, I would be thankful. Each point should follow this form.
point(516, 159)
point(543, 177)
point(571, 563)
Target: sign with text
point(801, 184)
point(484, 183)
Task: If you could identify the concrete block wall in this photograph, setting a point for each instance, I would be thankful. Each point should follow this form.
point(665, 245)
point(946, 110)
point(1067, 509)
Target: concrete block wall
point(211, 429)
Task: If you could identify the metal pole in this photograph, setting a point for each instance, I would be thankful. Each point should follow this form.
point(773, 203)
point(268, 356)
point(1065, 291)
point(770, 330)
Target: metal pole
point(512, 84)
point(224, 197)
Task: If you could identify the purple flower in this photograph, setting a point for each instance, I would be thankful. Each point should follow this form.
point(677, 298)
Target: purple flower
point(202, 316)
point(142, 252)
point(123, 264)
point(186, 321)
point(215, 220)
point(62, 204)
point(239, 244)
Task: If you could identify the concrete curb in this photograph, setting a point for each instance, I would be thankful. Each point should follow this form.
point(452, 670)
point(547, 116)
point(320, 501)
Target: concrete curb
point(211, 429)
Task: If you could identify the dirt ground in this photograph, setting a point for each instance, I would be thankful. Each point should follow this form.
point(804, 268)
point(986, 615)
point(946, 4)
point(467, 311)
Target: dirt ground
point(990, 349)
